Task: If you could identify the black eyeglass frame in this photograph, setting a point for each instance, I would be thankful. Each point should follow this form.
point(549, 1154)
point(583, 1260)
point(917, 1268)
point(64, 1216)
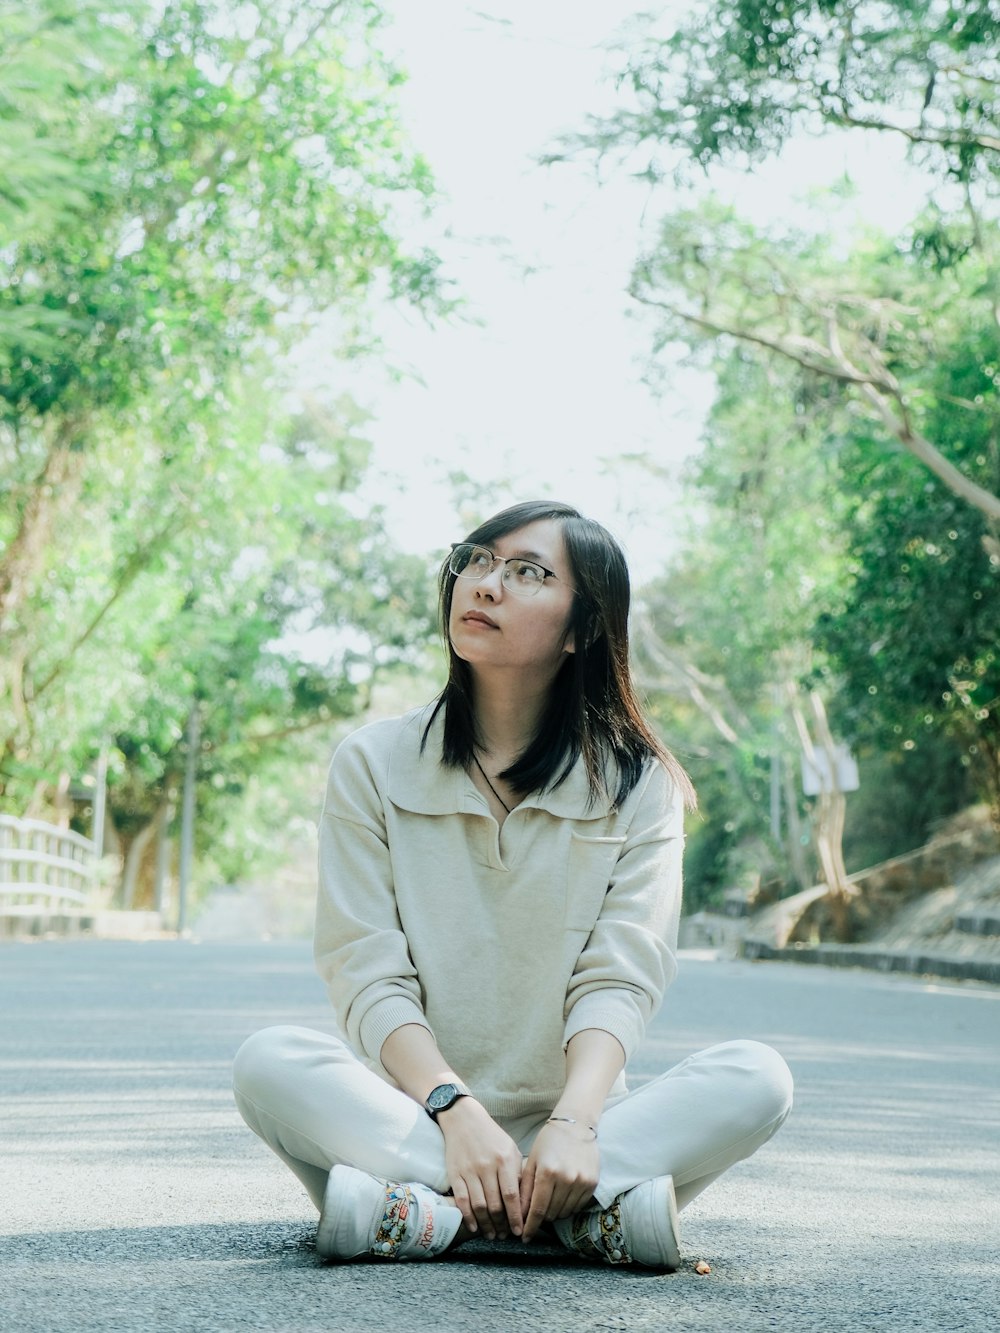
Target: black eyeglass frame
point(504, 560)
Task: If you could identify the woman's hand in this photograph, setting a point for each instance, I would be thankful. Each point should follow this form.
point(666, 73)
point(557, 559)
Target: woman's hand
point(560, 1176)
point(484, 1170)
point(483, 1163)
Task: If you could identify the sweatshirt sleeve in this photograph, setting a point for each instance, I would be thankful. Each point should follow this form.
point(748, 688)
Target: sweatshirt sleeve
point(629, 958)
point(361, 952)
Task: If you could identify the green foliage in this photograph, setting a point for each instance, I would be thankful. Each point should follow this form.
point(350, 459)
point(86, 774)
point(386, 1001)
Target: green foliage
point(847, 525)
point(55, 58)
point(740, 77)
point(917, 639)
point(174, 535)
point(904, 797)
point(52, 55)
point(731, 620)
point(895, 344)
point(770, 591)
point(711, 843)
point(240, 172)
point(205, 587)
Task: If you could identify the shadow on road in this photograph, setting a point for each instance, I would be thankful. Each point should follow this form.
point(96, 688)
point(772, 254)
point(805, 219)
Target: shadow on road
point(286, 1244)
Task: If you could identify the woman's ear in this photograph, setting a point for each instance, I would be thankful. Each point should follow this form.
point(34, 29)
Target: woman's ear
point(592, 631)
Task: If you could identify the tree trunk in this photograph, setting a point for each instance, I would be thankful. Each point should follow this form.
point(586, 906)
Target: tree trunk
point(133, 863)
point(139, 874)
point(55, 489)
point(829, 825)
point(164, 849)
point(794, 847)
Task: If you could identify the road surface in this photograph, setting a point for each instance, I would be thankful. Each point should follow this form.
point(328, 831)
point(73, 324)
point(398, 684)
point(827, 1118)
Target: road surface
point(134, 1199)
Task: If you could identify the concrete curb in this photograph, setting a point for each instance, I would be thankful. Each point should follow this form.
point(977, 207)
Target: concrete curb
point(977, 923)
point(87, 923)
point(879, 960)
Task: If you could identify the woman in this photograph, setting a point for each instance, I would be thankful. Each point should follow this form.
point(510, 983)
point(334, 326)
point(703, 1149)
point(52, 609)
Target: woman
point(500, 880)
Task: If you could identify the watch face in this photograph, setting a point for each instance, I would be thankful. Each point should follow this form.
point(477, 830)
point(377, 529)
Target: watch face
point(442, 1097)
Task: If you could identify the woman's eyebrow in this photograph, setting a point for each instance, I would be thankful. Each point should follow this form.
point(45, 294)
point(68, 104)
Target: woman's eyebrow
point(530, 555)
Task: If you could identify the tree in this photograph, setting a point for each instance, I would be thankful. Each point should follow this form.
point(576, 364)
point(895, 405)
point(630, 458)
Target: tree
point(728, 631)
point(167, 531)
point(753, 614)
point(872, 328)
point(203, 595)
point(901, 321)
point(897, 337)
point(738, 78)
point(731, 86)
point(245, 182)
point(53, 56)
point(916, 642)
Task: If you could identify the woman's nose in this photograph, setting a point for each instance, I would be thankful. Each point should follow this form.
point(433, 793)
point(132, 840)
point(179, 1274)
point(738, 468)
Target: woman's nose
point(491, 584)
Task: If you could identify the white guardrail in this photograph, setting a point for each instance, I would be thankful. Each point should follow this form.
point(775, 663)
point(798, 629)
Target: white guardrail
point(44, 869)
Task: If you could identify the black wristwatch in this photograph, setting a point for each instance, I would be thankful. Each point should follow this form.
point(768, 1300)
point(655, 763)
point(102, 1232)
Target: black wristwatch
point(444, 1095)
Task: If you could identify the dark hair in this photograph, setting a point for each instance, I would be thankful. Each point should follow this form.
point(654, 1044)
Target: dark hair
point(594, 710)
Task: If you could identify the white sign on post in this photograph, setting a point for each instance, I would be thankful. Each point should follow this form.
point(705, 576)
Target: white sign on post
point(816, 775)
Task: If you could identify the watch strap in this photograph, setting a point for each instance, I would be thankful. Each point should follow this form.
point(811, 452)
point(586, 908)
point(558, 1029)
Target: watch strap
point(454, 1088)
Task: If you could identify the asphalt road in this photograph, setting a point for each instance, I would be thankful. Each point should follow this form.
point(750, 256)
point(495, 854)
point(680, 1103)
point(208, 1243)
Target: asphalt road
point(132, 1197)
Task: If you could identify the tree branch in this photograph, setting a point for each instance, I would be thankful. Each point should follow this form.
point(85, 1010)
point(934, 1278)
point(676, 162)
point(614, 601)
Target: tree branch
point(928, 454)
point(134, 566)
point(282, 733)
point(875, 388)
point(690, 678)
point(940, 138)
point(793, 347)
point(55, 487)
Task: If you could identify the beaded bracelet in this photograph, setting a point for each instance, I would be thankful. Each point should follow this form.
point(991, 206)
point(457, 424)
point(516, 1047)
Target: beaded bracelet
point(569, 1120)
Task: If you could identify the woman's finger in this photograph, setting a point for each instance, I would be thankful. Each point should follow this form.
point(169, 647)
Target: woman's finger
point(583, 1193)
point(496, 1211)
point(557, 1202)
point(527, 1186)
point(481, 1209)
point(510, 1193)
point(503, 1200)
point(575, 1198)
point(460, 1195)
point(538, 1210)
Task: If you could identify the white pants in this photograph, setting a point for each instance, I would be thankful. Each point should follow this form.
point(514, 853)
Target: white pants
point(306, 1094)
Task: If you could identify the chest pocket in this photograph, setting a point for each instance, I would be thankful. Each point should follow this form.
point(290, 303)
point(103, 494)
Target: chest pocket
point(588, 875)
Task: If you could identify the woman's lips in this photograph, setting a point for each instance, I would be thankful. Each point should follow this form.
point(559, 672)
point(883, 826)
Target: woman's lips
point(478, 618)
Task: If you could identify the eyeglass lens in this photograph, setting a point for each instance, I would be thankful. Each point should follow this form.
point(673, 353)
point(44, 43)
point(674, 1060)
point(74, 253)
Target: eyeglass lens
point(476, 562)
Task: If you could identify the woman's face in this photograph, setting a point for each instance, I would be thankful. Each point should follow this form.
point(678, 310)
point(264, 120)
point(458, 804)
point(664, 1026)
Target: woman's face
point(493, 628)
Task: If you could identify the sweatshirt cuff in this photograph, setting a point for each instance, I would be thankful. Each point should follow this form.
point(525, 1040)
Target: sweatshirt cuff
point(385, 1017)
point(613, 1011)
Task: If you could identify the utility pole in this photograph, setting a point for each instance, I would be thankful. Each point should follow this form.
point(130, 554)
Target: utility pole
point(100, 803)
point(776, 764)
point(187, 815)
point(163, 848)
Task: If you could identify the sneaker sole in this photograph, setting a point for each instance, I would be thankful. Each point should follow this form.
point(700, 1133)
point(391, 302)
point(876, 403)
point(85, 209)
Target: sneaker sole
point(662, 1225)
point(332, 1238)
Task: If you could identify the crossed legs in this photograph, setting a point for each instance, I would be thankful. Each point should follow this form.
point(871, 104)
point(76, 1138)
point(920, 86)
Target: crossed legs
point(317, 1106)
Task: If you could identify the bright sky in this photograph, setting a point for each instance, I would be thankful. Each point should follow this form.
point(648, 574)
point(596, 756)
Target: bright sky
point(544, 390)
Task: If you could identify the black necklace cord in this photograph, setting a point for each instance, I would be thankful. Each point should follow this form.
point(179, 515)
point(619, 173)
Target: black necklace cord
point(490, 784)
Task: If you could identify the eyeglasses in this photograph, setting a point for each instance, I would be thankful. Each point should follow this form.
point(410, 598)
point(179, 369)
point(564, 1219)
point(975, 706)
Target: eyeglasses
point(523, 577)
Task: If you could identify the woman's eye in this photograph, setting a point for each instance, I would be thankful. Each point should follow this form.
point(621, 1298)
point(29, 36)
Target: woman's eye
point(530, 573)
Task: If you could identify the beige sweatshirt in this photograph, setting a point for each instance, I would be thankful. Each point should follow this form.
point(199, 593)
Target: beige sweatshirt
point(504, 942)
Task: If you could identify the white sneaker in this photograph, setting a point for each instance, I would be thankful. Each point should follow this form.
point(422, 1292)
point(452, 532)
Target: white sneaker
point(639, 1227)
point(364, 1216)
